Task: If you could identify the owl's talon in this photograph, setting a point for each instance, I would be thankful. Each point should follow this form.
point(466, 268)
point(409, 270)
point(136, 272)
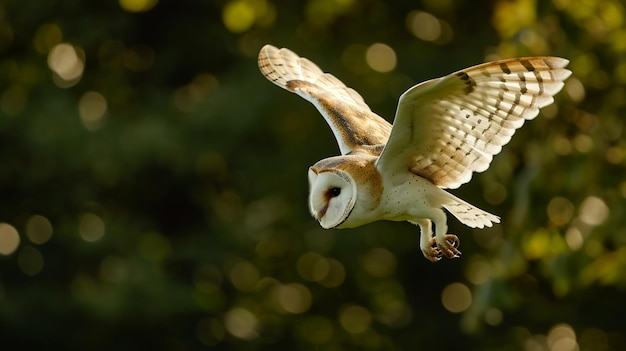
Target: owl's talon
point(449, 247)
point(453, 240)
point(432, 252)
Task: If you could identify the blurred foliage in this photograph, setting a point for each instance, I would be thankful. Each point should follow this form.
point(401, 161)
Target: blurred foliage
point(153, 183)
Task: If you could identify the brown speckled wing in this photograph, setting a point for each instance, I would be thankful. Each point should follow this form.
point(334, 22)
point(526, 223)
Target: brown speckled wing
point(353, 123)
point(445, 129)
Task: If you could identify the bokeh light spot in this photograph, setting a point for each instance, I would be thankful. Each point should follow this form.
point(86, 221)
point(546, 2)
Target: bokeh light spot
point(92, 107)
point(495, 193)
point(394, 312)
point(593, 248)
point(264, 212)
point(379, 262)
point(47, 36)
point(91, 227)
point(64, 60)
point(423, 25)
point(456, 297)
point(535, 42)
point(493, 316)
point(562, 338)
point(238, 16)
point(244, 276)
point(583, 143)
point(9, 239)
point(355, 319)
point(241, 323)
point(510, 16)
point(307, 263)
point(312, 266)
point(138, 5)
point(478, 270)
point(67, 63)
point(294, 298)
point(38, 229)
point(537, 244)
point(593, 211)
point(353, 58)
point(562, 145)
point(560, 210)
point(321, 13)
point(381, 57)
point(327, 272)
point(593, 339)
point(574, 238)
point(575, 89)
point(336, 274)
point(615, 155)
point(30, 261)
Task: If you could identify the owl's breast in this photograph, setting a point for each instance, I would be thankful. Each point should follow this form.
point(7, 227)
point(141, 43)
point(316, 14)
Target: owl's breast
point(408, 197)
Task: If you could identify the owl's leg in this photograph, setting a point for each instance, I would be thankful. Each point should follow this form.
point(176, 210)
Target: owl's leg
point(446, 243)
point(427, 241)
point(442, 244)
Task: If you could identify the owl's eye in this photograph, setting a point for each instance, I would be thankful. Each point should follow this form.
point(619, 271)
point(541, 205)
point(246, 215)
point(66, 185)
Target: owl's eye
point(334, 192)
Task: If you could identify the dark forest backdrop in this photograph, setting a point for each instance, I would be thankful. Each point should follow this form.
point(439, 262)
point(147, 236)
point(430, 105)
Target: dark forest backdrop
point(153, 183)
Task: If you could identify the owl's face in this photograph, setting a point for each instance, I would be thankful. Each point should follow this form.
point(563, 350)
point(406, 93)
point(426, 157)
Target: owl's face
point(332, 196)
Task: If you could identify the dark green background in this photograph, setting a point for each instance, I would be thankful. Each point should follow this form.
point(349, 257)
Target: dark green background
point(197, 173)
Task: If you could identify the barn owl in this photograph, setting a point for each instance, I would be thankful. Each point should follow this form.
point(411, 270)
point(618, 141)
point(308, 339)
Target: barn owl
point(444, 130)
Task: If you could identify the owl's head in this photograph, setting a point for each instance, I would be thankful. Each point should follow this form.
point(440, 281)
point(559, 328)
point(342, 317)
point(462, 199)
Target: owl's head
point(332, 196)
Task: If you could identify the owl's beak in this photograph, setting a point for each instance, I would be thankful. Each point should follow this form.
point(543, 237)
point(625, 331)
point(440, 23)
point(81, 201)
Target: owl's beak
point(321, 213)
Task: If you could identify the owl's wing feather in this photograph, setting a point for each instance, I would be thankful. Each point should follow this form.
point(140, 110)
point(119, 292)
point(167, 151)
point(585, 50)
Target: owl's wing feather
point(447, 128)
point(353, 123)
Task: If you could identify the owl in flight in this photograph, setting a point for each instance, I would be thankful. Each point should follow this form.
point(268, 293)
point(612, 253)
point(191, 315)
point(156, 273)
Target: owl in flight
point(444, 130)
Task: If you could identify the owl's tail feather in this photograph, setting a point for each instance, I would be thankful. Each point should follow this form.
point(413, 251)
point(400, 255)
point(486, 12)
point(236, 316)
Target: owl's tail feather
point(470, 215)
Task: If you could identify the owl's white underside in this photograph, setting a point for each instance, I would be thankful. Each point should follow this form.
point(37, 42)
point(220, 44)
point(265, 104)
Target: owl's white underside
point(415, 198)
point(444, 130)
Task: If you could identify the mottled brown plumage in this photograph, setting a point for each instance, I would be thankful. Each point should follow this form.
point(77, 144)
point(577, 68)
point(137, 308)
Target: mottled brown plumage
point(363, 129)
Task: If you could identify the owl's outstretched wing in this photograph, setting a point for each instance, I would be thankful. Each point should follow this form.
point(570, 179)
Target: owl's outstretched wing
point(449, 127)
point(353, 123)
